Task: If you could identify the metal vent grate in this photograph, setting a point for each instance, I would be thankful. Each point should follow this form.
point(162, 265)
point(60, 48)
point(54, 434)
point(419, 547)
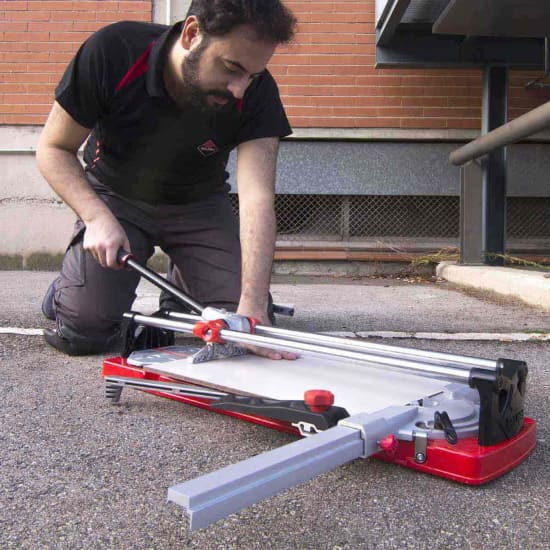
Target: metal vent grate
point(404, 216)
point(528, 217)
point(340, 217)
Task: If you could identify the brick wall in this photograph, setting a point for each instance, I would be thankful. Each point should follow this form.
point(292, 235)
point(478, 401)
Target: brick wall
point(327, 78)
point(38, 39)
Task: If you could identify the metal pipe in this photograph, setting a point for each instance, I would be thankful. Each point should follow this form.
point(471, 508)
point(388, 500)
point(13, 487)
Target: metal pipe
point(168, 12)
point(530, 123)
point(126, 259)
point(443, 359)
point(179, 389)
point(454, 374)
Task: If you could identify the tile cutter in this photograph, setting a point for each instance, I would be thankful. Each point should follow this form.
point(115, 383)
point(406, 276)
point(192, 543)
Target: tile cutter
point(469, 426)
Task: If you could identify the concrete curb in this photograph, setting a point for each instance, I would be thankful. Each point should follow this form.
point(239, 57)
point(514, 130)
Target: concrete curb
point(532, 287)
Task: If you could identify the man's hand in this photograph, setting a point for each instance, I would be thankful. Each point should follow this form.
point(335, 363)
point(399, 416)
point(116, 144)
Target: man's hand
point(261, 315)
point(103, 238)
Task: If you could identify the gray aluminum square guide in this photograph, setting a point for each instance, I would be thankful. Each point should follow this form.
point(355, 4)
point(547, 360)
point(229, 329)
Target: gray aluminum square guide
point(216, 495)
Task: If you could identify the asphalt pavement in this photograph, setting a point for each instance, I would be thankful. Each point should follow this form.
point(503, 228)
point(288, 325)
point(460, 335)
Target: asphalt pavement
point(78, 472)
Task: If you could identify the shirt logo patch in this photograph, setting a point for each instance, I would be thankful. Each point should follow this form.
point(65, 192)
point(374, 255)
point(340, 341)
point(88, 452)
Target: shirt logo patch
point(208, 148)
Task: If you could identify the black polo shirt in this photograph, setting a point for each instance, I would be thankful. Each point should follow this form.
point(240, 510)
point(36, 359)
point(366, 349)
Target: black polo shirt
point(142, 145)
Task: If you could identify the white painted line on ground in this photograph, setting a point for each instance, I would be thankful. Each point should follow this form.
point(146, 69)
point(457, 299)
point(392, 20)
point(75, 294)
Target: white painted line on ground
point(488, 336)
point(492, 336)
point(22, 331)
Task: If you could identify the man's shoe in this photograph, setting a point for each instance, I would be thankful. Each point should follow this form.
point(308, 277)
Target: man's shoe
point(48, 308)
point(81, 347)
point(171, 303)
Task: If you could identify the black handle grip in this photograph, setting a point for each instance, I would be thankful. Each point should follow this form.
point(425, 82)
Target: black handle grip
point(123, 256)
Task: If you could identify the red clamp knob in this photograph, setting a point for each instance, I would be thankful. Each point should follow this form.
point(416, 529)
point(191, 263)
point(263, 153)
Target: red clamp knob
point(253, 322)
point(389, 444)
point(209, 331)
point(318, 400)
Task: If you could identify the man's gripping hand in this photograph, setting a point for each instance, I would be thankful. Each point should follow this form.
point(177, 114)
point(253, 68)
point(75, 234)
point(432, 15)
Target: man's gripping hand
point(261, 315)
point(103, 238)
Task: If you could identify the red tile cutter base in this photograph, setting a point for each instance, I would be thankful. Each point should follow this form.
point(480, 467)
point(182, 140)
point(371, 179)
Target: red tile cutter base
point(472, 431)
point(465, 462)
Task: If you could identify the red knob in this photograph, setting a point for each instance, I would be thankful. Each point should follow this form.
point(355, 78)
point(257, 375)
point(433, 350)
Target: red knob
point(389, 444)
point(318, 400)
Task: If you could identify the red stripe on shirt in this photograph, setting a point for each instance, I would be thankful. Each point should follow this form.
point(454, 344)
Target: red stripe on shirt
point(137, 69)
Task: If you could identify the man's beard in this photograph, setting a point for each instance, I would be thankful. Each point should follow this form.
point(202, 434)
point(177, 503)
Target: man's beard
point(191, 93)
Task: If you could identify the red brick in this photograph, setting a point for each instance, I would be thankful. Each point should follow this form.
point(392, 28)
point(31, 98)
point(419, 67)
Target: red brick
point(307, 111)
point(10, 88)
point(12, 5)
point(473, 101)
point(318, 80)
point(23, 36)
point(341, 59)
point(87, 26)
point(40, 88)
point(376, 80)
point(53, 46)
point(145, 17)
point(423, 123)
point(75, 37)
point(12, 67)
point(378, 101)
point(467, 123)
point(50, 26)
point(320, 38)
point(26, 99)
point(307, 70)
point(451, 113)
point(23, 119)
point(49, 5)
point(11, 26)
point(14, 109)
point(104, 6)
point(25, 15)
point(329, 28)
point(73, 16)
point(13, 46)
point(355, 111)
point(328, 101)
point(125, 5)
point(24, 57)
point(399, 112)
point(330, 49)
point(377, 122)
point(111, 16)
point(60, 57)
point(25, 77)
point(345, 18)
point(357, 69)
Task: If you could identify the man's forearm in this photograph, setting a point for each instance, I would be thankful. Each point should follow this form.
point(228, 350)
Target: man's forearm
point(258, 232)
point(65, 175)
point(256, 184)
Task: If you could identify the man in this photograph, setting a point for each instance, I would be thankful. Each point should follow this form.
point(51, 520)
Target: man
point(162, 107)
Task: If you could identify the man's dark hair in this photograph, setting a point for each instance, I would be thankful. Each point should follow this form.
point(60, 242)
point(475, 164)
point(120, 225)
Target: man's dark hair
point(270, 19)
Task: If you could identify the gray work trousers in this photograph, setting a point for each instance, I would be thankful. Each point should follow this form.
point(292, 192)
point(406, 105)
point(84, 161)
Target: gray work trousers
point(201, 239)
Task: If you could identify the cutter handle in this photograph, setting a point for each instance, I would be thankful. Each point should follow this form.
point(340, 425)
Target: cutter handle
point(123, 256)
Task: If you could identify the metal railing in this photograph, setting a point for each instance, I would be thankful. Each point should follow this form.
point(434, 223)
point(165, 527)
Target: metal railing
point(483, 174)
point(522, 127)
